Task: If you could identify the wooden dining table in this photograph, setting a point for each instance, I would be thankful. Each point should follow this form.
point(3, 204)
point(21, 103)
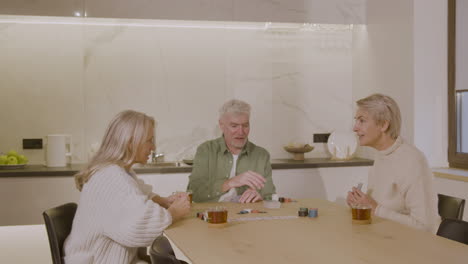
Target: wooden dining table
point(278, 236)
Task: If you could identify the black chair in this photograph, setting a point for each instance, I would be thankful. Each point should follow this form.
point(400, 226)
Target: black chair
point(454, 229)
point(58, 222)
point(161, 252)
point(451, 207)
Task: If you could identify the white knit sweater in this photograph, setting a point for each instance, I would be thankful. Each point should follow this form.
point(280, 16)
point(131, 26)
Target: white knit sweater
point(402, 184)
point(115, 216)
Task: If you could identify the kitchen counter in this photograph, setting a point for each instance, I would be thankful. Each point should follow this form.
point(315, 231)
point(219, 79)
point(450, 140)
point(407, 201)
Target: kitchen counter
point(276, 164)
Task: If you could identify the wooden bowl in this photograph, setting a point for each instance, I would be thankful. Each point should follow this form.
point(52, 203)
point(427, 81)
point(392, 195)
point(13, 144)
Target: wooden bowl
point(298, 152)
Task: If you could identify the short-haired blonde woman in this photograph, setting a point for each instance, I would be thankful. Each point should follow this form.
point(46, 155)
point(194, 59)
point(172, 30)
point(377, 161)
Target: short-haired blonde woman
point(117, 212)
point(400, 185)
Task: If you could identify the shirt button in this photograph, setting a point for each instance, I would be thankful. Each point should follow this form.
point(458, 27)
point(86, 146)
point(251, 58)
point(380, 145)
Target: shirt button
point(208, 195)
point(227, 176)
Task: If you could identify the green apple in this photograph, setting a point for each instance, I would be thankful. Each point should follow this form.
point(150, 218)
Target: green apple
point(3, 159)
point(12, 153)
point(22, 159)
point(12, 160)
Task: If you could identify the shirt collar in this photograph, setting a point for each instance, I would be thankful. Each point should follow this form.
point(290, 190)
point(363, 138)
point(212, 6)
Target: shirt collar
point(392, 148)
point(246, 150)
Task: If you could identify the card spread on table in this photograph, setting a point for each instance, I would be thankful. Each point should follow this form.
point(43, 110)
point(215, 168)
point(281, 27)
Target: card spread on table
point(262, 218)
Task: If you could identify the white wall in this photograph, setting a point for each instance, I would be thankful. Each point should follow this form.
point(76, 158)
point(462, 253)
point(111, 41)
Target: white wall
point(383, 61)
point(402, 52)
point(430, 80)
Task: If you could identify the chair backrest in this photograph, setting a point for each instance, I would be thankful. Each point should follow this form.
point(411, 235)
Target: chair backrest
point(58, 222)
point(454, 229)
point(161, 252)
point(450, 207)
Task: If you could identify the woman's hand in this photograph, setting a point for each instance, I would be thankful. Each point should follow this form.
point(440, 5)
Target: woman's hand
point(179, 208)
point(357, 197)
point(175, 196)
point(167, 201)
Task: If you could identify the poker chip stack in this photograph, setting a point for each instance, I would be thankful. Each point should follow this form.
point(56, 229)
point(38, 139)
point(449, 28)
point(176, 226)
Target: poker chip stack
point(303, 211)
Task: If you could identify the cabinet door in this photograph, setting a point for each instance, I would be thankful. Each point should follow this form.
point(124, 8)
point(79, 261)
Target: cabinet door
point(42, 7)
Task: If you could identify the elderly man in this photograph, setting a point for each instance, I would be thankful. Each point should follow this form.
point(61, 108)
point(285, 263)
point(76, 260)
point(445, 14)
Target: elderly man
point(231, 168)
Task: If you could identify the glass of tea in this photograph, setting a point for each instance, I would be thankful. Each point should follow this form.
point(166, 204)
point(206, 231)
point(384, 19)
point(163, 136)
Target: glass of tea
point(217, 215)
point(361, 214)
point(190, 195)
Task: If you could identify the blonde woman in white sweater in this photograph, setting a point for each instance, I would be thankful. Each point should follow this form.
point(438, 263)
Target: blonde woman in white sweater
point(400, 183)
point(117, 212)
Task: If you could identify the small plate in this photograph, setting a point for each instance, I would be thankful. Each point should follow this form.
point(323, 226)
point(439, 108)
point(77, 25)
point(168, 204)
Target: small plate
point(12, 167)
point(342, 145)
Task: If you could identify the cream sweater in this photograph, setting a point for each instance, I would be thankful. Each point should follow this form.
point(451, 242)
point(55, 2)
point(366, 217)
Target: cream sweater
point(402, 184)
point(115, 216)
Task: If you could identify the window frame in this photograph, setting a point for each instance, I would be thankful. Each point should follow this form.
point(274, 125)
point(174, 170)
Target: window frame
point(456, 159)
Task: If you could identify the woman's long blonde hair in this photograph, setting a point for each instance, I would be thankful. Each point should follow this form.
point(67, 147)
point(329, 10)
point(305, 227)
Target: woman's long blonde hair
point(122, 140)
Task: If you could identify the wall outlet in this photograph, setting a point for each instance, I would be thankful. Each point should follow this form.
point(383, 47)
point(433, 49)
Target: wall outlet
point(321, 138)
point(32, 143)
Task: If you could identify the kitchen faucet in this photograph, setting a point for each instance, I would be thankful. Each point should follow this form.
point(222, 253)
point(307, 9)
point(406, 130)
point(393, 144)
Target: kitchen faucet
point(156, 157)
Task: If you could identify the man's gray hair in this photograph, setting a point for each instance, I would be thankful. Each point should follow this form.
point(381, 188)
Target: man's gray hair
point(234, 106)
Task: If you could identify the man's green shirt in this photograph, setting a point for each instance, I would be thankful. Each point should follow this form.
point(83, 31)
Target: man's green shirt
point(212, 166)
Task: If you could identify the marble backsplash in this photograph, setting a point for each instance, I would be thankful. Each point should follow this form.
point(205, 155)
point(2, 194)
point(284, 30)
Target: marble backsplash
point(71, 76)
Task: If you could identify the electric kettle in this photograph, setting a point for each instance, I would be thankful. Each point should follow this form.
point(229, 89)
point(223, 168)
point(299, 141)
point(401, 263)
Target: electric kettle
point(58, 149)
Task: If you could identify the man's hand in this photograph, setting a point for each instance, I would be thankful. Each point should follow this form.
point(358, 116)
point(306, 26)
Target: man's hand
point(250, 196)
point(249, 178)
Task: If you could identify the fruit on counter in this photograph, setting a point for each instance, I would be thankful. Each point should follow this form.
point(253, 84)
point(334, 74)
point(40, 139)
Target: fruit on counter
point(3, 159)
point(12, 153)
point(13, 158)
point(22, 159)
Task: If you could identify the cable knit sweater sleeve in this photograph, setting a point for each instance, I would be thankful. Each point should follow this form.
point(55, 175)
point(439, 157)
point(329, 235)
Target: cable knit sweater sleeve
point(145, 188)
point(417, 201)
point(402, 184)
point(129, 216)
